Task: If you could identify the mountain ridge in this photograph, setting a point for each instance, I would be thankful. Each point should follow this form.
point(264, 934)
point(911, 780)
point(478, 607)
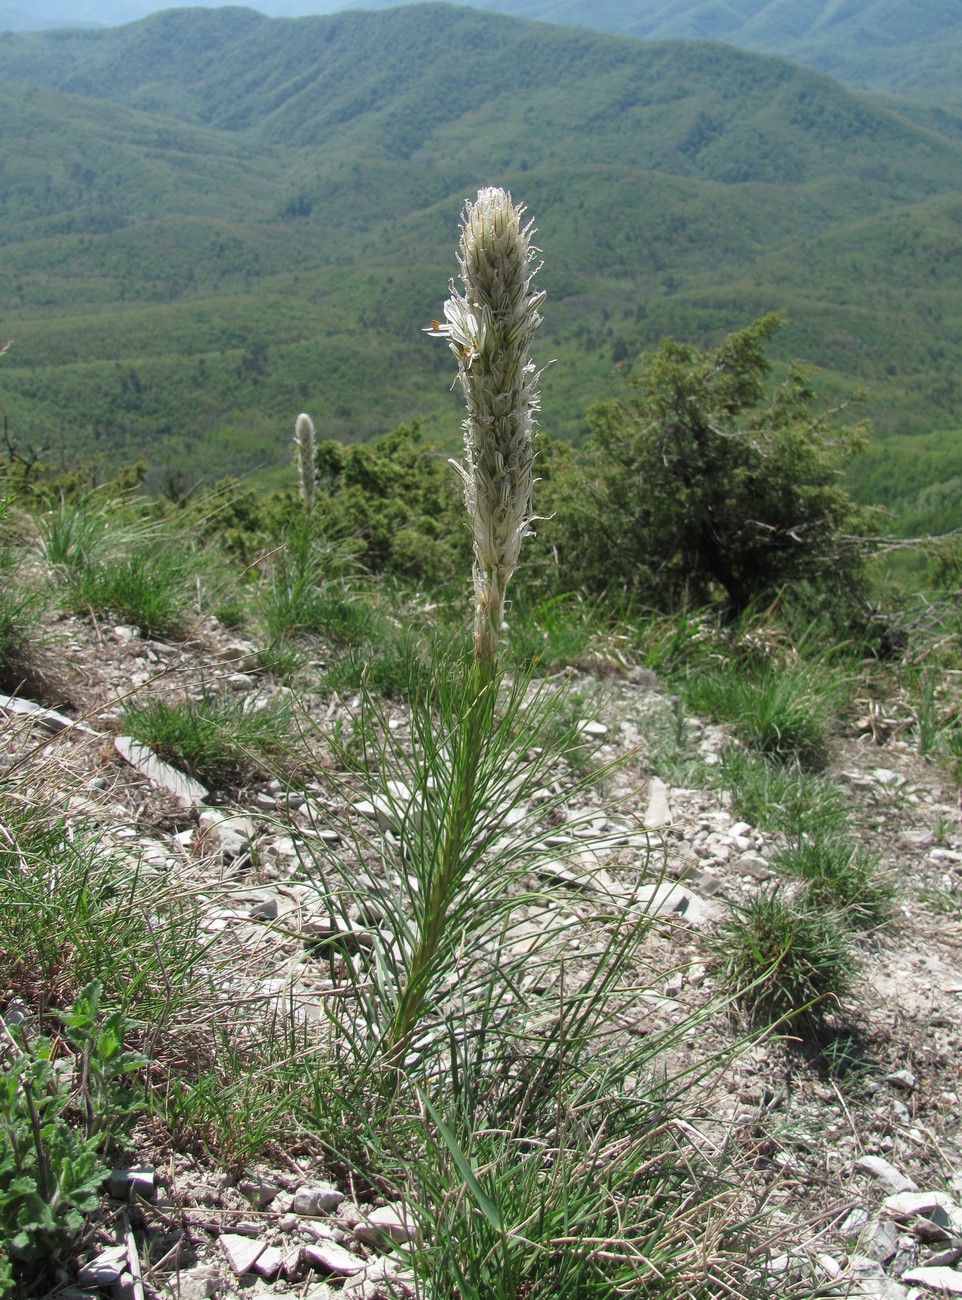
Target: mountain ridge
point(242, 69)
point(872, 44)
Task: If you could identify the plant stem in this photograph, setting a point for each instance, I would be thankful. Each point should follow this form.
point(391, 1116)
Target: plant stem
point(471, 733)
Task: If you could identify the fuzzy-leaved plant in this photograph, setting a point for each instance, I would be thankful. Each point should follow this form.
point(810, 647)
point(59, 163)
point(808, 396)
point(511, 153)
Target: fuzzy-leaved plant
point(489, 324)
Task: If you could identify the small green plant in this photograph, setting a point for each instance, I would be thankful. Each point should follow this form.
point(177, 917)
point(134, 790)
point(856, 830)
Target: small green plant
point(557, 633)
point(847, 1057)
point(282, 658)
point(781, 797)
point(395, 666)
point(306, 588)
point(550, 1219)
point(930, 718)
point(19, 615)
point(786, 711)
point(108, 558)
point(50, 1174)
point(78, 531)
point(74, 911)
point(345, 618)
point(785, 959)
point(215, 739)
point(243, 1091)
point(839, 876)
point(945, 896)
point(103, 1064)
point(670, 744)
point(56, 1115)
point(949, 745)
point(673, 644)
point(148, 587)
point(231, 611)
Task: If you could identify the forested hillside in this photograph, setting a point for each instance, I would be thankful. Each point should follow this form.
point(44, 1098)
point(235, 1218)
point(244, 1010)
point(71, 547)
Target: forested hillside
point(881, 44)
point(212, 220)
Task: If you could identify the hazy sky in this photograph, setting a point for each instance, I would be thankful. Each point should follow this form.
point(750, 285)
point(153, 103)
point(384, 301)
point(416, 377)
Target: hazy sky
point(26, 14)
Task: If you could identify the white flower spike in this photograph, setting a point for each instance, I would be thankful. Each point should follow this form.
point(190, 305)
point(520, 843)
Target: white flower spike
point(489, 327)
point(304, 442)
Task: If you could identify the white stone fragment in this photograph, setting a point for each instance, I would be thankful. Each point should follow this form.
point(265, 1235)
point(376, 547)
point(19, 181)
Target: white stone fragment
point(886, 1173)
point(49, 719)
point(316, 1228)
point(939, 1208)
point(272, 1261)
point(370, 1283)
point(387, 1223)
point(936, 1279)
point(127, 1184)
point(905, 1205)
point(185, 789)
point(316, 1200)
point(105, 1269)
point(885, 776)
point(667, 899)
point(332, 1258)
point(878, 1288)
point(658, 812)
point(232, 831)
point(828, 1266)
point(855, 1222)
point(198, 1283)
point(259, 1191)
point(242, 1252)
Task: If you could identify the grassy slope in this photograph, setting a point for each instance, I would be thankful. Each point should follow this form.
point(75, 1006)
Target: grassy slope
point(273, 219)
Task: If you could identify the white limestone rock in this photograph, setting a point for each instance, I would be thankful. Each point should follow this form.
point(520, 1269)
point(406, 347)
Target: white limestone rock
point(242, 1252)
point(945, 1281)
point(886, 1173)
point(386, 1224)
point(316, 1200)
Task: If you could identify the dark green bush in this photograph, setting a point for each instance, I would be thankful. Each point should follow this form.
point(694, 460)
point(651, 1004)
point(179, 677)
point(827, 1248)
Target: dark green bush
point(697, 485)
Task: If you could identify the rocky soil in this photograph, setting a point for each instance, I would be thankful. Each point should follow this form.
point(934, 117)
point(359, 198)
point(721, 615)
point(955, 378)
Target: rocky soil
point(863, 1168)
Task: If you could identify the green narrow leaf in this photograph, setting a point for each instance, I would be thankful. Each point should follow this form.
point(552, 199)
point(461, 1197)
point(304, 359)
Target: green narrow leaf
point(484, 1202)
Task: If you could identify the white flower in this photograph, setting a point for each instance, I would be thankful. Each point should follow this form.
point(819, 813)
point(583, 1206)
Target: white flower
point(464, 329)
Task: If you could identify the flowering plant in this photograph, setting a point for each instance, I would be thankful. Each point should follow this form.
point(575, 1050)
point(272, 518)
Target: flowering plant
point(489, 326)
point(306, 465)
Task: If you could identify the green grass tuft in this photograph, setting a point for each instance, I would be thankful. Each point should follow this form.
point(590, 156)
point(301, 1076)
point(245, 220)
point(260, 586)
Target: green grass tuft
point(787, 712)
point(148, 588)
point(215, 739)
point(785, 960)
point(781, 797)
point(839, 877)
